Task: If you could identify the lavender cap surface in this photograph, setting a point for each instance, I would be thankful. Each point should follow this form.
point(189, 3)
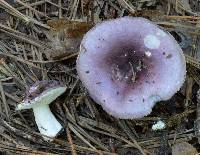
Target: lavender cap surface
point(128, 64)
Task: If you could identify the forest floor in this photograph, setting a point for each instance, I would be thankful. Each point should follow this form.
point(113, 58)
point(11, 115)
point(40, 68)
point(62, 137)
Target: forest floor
point(39, 40)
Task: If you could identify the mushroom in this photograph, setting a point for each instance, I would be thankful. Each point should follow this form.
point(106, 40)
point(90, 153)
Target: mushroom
point(38, 97)
point(128, 64)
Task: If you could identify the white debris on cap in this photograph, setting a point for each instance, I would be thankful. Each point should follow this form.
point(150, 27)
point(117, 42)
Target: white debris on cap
point(151, 42)
point(161, 33)
point(148, 54)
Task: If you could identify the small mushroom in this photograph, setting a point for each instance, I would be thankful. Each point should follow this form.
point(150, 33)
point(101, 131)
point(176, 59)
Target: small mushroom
point(38, 97)
point(128, 64)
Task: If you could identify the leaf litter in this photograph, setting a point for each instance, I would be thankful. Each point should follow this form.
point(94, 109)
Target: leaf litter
point(40, 39)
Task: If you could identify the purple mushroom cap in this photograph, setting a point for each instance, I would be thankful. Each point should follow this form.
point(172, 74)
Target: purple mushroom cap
point(128, 64)
point(42, 92)
point(42, 87)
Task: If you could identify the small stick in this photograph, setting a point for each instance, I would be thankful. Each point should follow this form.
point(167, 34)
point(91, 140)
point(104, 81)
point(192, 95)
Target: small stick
point(197, 122)
point(8, 8)
point(13, 11)
point(69, 137)
point(6, 108)
point(32, 9)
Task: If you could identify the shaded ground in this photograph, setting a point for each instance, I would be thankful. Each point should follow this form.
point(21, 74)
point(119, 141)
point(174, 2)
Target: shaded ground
point(35, 45)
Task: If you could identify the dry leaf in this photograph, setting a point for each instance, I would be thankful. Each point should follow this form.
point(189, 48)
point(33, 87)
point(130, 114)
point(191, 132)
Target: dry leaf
point(65, 37)
point(183, 148)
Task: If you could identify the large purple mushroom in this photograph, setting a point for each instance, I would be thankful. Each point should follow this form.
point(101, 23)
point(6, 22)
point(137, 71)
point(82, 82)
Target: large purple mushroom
point(128, 64)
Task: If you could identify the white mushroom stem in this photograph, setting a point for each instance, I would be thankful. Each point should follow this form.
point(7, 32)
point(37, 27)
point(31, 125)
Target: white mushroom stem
point(46, 121)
